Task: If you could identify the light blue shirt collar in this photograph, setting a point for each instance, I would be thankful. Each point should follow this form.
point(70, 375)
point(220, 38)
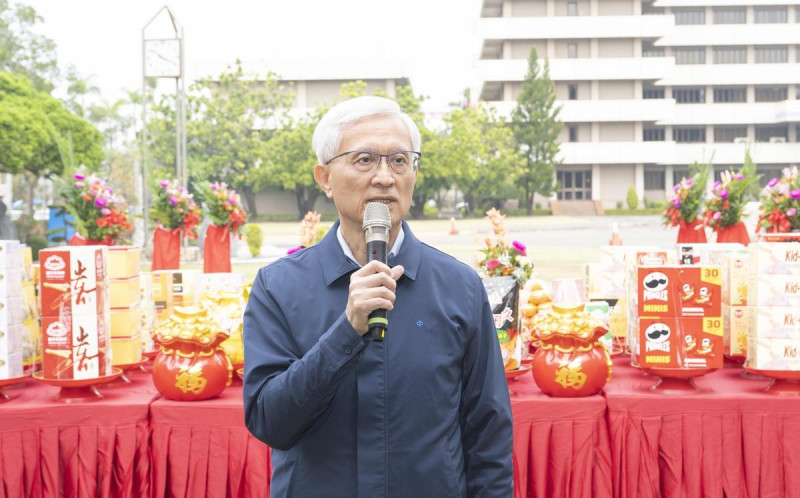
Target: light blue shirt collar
point(347, 252)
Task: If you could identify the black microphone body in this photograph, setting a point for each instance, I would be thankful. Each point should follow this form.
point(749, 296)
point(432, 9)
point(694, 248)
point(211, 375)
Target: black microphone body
point(377, 226)
point(378, 324)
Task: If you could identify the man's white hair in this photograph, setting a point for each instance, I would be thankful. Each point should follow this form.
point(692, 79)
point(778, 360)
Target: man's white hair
point(328, 134)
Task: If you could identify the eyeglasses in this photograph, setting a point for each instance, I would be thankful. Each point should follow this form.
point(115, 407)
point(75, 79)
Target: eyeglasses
point(364, 161)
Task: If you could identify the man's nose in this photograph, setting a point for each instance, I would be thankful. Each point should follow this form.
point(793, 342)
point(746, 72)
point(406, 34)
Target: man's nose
point(383, 174)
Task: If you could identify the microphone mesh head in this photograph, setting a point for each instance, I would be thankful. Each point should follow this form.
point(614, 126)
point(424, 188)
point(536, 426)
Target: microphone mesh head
point(377, 220)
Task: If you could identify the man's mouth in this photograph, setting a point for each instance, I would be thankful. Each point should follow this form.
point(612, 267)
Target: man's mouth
point(382, 201)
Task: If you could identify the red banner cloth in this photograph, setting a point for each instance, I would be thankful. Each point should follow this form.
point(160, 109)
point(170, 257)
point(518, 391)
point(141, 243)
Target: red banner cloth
point(217, 250)
point(202, 448)
point(561, 445)
point(691, 233)
point(166, 249)
point(731, 439)
point(97, 449)
point(734, 233)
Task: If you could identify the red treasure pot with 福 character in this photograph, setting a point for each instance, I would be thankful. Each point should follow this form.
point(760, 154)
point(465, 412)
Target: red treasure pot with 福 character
point(191, 364)
point(571, 361)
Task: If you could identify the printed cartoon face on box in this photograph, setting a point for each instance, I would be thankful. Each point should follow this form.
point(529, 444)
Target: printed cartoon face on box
point(679, 291)
point(673, 342)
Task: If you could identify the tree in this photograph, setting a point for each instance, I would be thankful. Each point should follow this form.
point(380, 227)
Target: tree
point(24, 52)
point(78, 88)
point(33, 130)
point(536, 129)
point(479, 150)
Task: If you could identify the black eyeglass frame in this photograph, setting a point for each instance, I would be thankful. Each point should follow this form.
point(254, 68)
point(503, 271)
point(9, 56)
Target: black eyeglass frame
point(414, 163)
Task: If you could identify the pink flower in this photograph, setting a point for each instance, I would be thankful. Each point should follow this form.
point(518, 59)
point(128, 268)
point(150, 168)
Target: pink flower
point(492, 264)
point(690, 182)
point(78, 176)
point(717, 184)
point(520, 247)
point(676, 187)
point(100, 202)
point(738, 176)
point(164, 183)
point(773, 182)
point(79, 184)
point(795, 194)
point(723, 194)
point(173, 200)
point(718, 215)
point(791, 211)
point(105, 211)
point(676, 203)
point(294, 250)
point(214, 186)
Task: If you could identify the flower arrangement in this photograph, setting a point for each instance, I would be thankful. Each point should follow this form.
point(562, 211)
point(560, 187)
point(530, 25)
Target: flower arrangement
point(780, 203)
point(500, 258)
point(726, 198)
point(686, 199)
point(99, 213)
point(310, 234)
point(174, 207)
point(224, 206)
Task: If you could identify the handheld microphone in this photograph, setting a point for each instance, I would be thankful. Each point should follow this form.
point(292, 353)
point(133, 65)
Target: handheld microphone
point(377, 226)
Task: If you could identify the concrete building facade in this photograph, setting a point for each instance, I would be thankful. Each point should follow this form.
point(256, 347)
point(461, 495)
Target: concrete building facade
point(649, 86)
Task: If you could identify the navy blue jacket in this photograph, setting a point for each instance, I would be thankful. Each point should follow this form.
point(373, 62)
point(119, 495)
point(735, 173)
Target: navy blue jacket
point(425, 413)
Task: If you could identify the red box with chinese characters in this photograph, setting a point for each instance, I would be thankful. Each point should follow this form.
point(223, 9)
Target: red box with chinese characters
point(679, 291)
point(75, 347)
point(679, 342)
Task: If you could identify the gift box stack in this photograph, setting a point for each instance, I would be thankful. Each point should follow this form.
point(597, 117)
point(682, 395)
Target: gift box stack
point(222, 294)
point(773, 341)
point(634, 258)
point(172, 288)
point(147, 324)
point(11, 311)
point(75, 312)
point(126, 310)
point(31, 332)
point(677, 317)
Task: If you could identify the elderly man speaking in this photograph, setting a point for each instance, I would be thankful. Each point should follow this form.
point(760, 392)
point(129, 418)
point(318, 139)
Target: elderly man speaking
point(424, 412)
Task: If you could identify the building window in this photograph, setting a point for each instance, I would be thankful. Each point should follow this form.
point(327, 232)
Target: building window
point(729, 134)
point(771, 15)
point(727, 94)
point(653, 134)
point(689, 16)
point(649, 10)
point(652, 92)
point(572, 8)
point(776, 54)
point(772, 133)
point(573, 92)
point(573, 133)
point(730, 55)
point(771, 93)
point(572, 50)
point(730, 15)
point(689, 135)
point(689, 55)
point(574, 185)
point(689, 95)
point(654, 180)
point(679, 174)
point(650, 50)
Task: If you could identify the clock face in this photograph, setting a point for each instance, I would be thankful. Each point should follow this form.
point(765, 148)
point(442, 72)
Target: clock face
point(162, 58)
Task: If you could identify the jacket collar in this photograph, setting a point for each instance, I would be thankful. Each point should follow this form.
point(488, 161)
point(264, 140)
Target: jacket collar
point(335, 264)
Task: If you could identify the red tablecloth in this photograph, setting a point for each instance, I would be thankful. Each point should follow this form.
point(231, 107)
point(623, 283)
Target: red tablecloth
point(90, 449)
point(202, 449)
point(729, 440)
point(561, 445)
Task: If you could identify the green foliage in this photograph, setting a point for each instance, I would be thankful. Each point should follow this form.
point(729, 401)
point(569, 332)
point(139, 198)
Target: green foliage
point(632, 198)
point(430, 211)
point(255, 238)
point(173, 207)
point(22, 50)
point(725, 201)
point(536, 129)
point(659, 204)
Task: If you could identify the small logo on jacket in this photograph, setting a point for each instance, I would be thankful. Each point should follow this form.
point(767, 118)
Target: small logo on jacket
point(419, 323)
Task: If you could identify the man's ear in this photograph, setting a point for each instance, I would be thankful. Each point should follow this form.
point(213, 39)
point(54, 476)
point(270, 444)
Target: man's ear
point(323, 179)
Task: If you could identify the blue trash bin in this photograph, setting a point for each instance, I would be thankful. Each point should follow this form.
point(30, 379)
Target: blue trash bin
point(60, 226)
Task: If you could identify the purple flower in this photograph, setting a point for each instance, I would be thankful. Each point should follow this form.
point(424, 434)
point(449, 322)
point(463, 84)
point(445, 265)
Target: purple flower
point(520, 247)
point(717, 184)
point(294, 249)
point(723, 194)
point(773, 182)
point(690, 182)
point(173, 200)
point(105, 211)
point(164, 183)
point(109, 190)
point(738, 176)
point(79, 184)
point(795, 194)
point(791, 211)
point(78, 176)
point(214, 186)
point(676, 203)
point(676, 187)
point(717, 215)
point(100, 202)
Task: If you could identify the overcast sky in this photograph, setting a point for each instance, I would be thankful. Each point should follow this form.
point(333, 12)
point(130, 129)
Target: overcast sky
point(433, 40)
